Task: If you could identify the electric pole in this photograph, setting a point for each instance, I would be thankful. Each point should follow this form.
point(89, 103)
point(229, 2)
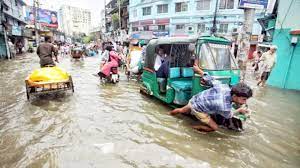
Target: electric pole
point(244, 40)
point(120, 1)
point(214, 27)
point(36, 5)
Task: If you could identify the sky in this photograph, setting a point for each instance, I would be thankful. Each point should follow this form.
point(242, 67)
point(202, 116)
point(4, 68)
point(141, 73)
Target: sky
point(94, 5)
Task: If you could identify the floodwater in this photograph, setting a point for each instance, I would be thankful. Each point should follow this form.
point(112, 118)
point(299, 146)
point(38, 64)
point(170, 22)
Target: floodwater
point(115, 126)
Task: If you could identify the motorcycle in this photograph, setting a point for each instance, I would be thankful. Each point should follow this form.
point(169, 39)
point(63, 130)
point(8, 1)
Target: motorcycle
point(109, 70)
point(113, 76)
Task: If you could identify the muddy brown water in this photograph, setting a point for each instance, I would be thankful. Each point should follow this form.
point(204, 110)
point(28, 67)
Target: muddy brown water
point(115, 126)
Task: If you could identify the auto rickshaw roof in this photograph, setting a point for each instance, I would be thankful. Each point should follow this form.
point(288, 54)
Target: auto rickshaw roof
point(172, 40)
point(215, 39)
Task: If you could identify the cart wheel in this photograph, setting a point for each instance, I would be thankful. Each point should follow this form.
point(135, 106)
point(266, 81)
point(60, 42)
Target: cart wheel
point(27, 91)
point(71, 83)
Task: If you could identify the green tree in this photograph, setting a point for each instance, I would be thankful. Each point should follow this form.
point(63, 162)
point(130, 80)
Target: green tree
point(115, 20)
point(87, 39)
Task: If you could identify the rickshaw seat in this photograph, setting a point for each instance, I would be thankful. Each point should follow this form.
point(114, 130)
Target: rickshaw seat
point(187, 72)
point(174, 72)
point(182, 85)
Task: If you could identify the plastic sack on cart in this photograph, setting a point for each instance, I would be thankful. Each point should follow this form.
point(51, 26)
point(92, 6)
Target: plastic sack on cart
point(48, 74)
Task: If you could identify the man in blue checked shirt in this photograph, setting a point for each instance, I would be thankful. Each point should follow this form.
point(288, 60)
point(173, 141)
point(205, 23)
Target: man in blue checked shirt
point(216, 100)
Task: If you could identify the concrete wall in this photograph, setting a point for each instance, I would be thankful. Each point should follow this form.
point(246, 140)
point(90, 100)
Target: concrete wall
point(287, 69)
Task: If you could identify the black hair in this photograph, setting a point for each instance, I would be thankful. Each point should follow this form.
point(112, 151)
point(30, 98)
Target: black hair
point(53, 13)
point(30, 13)
point(109, 48)
point(258, 52)
point(241, 90)
point(47, 38)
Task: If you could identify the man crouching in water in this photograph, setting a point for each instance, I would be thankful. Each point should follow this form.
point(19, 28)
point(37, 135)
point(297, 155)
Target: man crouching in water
point(216, 100)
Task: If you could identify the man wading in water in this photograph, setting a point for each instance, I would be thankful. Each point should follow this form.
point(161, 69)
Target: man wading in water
point(45, 51)
point(216, 100)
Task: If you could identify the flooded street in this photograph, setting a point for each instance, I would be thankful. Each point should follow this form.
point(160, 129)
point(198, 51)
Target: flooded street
point(116, 126)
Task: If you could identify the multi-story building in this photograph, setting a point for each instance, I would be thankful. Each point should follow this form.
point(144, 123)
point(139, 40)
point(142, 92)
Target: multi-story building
point(185, 17)
point(74, 20)
point(12, 25)
point(115, 9)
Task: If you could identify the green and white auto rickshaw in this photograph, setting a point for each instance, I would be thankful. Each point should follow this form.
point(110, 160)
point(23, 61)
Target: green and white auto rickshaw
point(212, 54)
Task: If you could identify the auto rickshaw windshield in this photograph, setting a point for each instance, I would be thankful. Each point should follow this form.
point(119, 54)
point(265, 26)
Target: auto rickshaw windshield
point(216, 57)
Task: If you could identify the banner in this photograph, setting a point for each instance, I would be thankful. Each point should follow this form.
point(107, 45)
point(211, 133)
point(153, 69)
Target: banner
point(45, 17)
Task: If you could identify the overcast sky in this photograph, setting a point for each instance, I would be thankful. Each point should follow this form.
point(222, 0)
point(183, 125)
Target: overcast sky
point(94, 5)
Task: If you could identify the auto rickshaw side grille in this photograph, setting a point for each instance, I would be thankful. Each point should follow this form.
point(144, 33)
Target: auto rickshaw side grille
point(180, 56)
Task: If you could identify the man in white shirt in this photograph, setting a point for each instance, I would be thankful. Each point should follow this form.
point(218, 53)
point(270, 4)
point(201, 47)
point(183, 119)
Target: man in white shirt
point(161, 65)
point(160, 58)
point(268, 62)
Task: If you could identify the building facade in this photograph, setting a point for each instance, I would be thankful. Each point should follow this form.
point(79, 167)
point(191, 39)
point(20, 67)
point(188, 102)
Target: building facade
point(74, 20)
point(185, 17)
point(12, 26)
point(116, 19)
point(287, 38)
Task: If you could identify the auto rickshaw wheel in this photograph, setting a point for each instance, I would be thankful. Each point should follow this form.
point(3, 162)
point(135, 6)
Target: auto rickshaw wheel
point(27, 90)
point(71, 84)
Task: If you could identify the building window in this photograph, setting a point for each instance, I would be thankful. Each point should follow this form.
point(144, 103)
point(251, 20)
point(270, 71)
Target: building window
point(161, 27)
point(181, 7)
point(146, 28)
point(146, 11)
point(162, 8)
point(203, 5)
point(223, 28)
point(134, 13)
point(180, 27)
point(226, 4)
point(135, 29)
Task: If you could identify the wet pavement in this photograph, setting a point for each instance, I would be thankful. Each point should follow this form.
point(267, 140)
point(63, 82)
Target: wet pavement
point(115, 126)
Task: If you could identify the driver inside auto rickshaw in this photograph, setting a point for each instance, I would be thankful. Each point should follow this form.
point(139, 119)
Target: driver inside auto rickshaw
point(161, 65)
point(218, 99)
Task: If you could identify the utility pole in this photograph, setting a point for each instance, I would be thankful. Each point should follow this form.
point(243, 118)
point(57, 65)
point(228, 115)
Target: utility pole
point(105, 16)
point(36, 5)
point(120, 26)
point(244, 40)
point(214, 27)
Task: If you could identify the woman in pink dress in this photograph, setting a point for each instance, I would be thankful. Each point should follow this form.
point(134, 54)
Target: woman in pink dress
point(113, 62)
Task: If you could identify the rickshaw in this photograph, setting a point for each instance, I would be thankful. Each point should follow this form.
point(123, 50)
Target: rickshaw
point(211, 53)
point(77, 53)
point(134, 63)
point(48, 80)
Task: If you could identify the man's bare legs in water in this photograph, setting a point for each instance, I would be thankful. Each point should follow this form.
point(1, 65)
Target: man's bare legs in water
point(211, 125)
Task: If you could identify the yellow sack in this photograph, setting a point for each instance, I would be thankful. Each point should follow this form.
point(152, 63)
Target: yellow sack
point(48, 74)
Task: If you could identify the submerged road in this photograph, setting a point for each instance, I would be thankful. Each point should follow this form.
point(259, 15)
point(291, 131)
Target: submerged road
point(115, 126)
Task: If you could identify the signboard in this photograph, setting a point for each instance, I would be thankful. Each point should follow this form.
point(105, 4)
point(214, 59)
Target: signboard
point(161, 33)
point(255, 4)
point(16, 31)
point(45, 17)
